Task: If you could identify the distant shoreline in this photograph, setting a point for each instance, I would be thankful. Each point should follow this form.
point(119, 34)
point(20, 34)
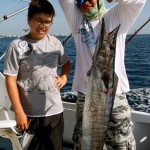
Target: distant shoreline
point(5, 36)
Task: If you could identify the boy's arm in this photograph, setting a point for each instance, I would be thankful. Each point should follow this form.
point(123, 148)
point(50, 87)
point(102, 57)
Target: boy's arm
point(62, 79)
point(13, 93)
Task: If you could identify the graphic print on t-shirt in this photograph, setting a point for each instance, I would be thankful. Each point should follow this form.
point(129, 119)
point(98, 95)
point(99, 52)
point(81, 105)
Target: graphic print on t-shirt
point(87, 34)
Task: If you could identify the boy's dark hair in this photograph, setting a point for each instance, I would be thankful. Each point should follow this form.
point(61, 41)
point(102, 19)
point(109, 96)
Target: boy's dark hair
point(40, 6)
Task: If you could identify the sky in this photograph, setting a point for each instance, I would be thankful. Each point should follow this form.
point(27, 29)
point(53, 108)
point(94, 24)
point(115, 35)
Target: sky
point(15, 25)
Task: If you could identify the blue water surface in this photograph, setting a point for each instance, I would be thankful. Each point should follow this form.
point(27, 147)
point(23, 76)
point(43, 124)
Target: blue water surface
point(137, 60)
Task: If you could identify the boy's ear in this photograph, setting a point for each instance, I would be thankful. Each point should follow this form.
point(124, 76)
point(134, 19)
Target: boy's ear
point(28, 19)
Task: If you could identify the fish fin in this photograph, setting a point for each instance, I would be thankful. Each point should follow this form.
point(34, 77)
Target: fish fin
point(112, 35)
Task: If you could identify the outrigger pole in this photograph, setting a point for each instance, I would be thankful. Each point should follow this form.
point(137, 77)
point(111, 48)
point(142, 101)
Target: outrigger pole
point(127, 41)
point(5, 17)
point(24, 30)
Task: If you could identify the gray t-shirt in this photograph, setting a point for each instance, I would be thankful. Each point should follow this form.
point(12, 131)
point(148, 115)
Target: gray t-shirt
point(35, 65)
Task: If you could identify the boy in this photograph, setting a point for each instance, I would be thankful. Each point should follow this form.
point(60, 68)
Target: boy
point(32, 81)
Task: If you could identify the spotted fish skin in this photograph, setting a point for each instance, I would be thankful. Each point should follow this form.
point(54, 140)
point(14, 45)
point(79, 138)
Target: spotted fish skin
point(100, 92)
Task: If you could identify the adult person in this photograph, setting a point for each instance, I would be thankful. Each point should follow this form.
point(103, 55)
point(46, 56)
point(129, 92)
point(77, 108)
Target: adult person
point(32, 82)
point(84, 19)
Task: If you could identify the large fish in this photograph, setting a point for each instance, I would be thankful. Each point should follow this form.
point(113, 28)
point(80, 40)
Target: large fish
point(102, 83)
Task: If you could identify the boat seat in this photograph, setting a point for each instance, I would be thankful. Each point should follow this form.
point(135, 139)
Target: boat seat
point(6, 112)
point(8, 133)
point(7, 123)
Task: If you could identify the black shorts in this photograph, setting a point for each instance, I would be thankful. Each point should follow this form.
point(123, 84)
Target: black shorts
point(48, 132)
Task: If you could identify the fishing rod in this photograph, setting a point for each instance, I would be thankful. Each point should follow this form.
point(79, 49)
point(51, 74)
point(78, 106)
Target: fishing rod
point(127, 41)
point(5, 17)
point(66, 39)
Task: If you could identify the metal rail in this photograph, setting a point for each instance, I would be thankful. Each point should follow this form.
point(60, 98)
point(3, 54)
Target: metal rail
point(5, 17)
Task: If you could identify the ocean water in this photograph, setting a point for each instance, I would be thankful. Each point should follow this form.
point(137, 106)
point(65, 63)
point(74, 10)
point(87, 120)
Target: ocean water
point(137, 60)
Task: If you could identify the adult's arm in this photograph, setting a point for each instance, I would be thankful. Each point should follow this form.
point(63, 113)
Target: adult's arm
point(124, 13)
point(71, 11)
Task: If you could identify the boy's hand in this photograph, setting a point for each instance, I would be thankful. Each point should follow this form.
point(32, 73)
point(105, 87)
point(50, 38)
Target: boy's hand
point(60, 81)
point(22, 121)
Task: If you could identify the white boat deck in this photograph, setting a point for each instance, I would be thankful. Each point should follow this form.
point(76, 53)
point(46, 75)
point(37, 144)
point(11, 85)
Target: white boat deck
point(141, 120)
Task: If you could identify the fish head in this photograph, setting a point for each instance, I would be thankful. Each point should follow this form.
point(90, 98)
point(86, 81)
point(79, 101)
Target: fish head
point(104, 56)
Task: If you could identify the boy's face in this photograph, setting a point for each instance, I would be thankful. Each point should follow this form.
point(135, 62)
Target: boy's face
point(39, 25)
point(87, 5)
